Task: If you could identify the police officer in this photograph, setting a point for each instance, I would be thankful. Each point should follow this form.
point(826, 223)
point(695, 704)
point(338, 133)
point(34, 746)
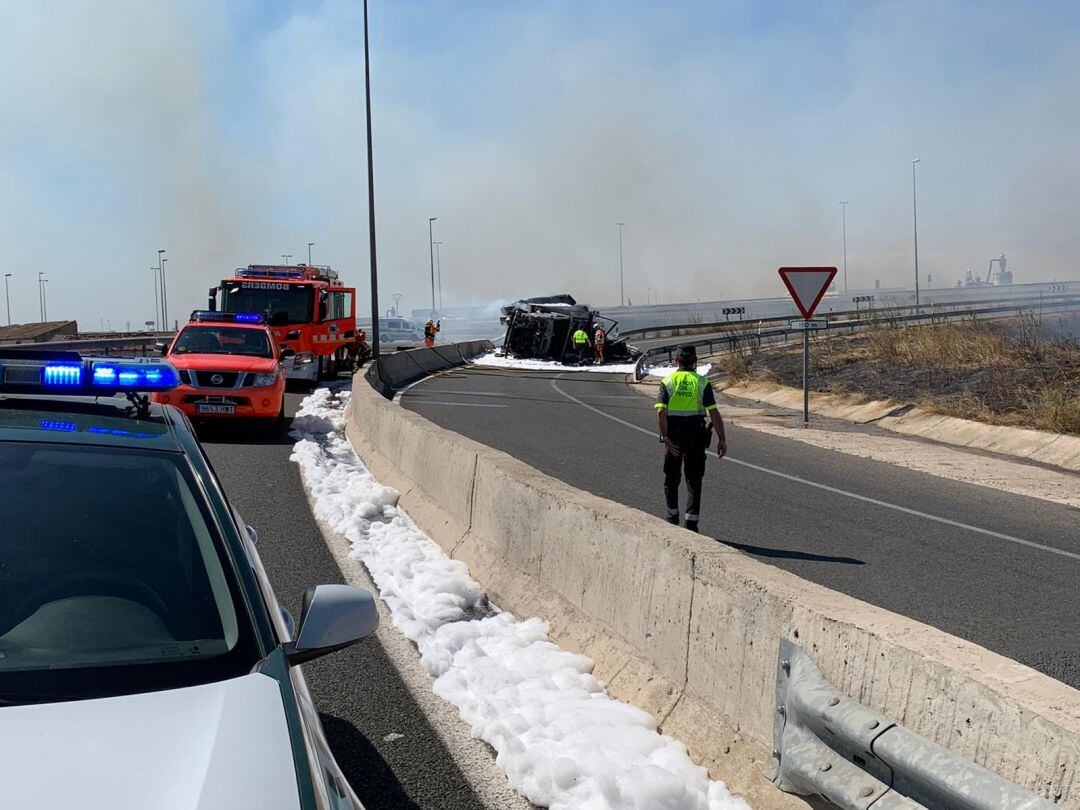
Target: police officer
point(685, 400)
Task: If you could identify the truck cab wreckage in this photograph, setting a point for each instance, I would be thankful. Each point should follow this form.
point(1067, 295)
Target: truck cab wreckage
point(543, 328)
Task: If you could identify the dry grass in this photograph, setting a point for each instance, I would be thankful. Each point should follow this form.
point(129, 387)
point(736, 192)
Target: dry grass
point(1007, 373)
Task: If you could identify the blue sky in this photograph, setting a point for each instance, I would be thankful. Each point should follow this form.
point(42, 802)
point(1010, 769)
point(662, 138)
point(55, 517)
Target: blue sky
point(723, 134)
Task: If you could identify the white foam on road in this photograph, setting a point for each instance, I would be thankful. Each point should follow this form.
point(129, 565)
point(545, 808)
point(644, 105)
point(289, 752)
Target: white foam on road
point(497, 360)
point(562, 741)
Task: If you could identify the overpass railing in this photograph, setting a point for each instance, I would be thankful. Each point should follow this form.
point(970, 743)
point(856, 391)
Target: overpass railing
point(130, 346)
point(1040, 301)
point(749, 335)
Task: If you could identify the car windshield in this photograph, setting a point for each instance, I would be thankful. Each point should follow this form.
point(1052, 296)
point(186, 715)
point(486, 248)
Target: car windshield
point(222, 340)
point(112, 576)
point(279, 303)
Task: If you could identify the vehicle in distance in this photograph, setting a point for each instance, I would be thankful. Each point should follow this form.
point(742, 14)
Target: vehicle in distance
point(308, 309)
point(230, 367)
point(395, 332)
point(144, 658)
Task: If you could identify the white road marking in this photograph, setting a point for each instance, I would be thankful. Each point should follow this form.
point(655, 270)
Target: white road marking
point(865, 499)
point(459, 404)
point(504, 395)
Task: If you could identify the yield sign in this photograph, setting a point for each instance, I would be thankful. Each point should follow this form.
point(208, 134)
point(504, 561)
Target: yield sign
point(807, 286)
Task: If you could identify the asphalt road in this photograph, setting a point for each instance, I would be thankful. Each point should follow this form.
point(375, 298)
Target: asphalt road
point(906, 541)
point(358, 691)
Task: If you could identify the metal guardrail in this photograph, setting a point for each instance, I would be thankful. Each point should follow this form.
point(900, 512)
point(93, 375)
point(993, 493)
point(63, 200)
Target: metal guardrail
point(922, 310)
point(749, 336)
point(826, 743)
point(140, 343)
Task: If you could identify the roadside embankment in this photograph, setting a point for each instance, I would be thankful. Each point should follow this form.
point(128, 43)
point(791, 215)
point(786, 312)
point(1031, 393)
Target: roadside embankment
point(1055, 449)
point(689, 629)
point(1021, 372)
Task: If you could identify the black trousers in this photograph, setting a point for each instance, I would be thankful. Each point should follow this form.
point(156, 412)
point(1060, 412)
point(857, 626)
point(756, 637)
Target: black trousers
point(691, 435)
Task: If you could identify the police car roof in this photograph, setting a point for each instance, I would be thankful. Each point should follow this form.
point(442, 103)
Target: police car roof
point(86, 421)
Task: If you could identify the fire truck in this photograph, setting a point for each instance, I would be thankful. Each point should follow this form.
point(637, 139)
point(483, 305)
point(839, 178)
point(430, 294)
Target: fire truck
point(308, 309)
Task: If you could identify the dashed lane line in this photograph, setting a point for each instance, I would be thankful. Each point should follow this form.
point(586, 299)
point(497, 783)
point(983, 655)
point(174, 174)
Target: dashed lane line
point(837, 491)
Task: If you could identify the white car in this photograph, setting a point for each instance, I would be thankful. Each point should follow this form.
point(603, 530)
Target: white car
point(145, 663)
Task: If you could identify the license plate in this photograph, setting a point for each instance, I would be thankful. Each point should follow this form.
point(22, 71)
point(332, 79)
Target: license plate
point(215, 409)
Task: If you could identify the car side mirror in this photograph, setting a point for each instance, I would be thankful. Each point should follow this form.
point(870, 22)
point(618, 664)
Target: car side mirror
point(287, 352)
point(332, 618)
point(162, 348)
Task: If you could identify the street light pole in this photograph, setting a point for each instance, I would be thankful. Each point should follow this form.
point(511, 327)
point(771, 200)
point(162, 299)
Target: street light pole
point(915, 224)
point(843, 213)
point(7, 297)
point(286, 257)
point(431, 250)
point(44, 301)
point(164, 298)
point(157, 300)
point(40, 297)
point(309, 244)
point(438, 271)
point(371, 197)
point(622, 295)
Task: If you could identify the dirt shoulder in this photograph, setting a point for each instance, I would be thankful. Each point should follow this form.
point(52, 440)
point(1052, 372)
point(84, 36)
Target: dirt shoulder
point(1019, 372)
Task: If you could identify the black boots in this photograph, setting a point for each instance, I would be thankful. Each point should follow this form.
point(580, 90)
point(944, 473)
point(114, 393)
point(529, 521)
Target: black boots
point(692, 525)
point(673, 519)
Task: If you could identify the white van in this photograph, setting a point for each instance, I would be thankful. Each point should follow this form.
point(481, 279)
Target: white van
point(395, 333)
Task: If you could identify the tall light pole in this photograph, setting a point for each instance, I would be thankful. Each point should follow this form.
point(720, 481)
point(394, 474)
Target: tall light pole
point(44, 301)
point(431, 250)
point(915, 223)
point(397, 304)
point(438, 271)
point(622, 296)
point(157, 300)
point(7, 297)
point(41, 297)
point(309, 244)
point(286, 257)
point(164, 296)
point(843, 215)
point(371, 198)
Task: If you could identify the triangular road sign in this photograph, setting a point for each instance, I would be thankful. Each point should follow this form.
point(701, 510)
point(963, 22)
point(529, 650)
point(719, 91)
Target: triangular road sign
point(807, 286)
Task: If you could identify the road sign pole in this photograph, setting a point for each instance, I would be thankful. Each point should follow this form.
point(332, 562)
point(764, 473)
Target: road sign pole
point(806, 377)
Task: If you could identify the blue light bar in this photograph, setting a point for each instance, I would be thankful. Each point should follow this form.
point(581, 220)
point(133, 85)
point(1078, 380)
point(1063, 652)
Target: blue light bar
point(134, 375)
point(200, 315)
point(62, 375)
point(43, 372)
point(267, 272)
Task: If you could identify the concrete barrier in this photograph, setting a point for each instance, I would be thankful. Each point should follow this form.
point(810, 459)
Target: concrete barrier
point(395, 370)
point(688, 629)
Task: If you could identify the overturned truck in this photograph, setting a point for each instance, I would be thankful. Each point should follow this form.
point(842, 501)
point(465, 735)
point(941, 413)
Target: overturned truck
point(543, 329)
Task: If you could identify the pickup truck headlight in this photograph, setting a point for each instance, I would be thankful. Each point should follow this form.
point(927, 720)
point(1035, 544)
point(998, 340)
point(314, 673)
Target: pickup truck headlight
point(303, 358)
point(264, 380)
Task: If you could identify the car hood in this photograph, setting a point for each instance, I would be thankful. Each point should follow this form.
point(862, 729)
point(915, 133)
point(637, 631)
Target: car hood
point(224, 362)
point(210, 747)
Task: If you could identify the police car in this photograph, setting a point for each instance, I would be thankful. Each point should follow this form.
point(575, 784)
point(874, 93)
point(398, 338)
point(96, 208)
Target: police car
point(144, 659)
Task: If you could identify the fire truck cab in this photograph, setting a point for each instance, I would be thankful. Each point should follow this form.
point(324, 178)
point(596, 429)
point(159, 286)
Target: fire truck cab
point(306, 307)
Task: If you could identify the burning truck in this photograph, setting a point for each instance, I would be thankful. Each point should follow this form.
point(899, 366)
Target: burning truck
point(543, 329)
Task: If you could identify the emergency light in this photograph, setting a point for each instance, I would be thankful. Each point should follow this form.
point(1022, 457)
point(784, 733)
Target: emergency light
point(25, 371)
point(267, 272)
point(200, 315)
